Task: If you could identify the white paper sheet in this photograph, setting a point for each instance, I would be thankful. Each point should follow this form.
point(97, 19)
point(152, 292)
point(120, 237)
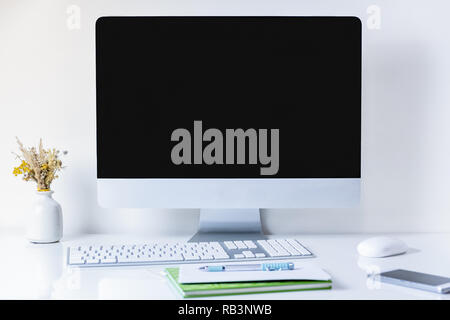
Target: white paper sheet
point(191, 274)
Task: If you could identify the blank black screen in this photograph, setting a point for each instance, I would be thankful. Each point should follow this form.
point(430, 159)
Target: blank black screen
point(300, 75)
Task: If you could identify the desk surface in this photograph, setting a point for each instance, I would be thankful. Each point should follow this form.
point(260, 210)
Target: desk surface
point(29, 271)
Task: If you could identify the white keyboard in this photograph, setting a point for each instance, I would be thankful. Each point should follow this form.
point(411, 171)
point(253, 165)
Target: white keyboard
point(160, 253)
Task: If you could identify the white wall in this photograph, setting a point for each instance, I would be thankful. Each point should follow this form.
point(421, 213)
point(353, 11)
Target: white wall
point(47, 89)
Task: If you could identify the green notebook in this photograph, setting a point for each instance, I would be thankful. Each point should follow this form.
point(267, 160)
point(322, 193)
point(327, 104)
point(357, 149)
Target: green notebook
point(230, 288)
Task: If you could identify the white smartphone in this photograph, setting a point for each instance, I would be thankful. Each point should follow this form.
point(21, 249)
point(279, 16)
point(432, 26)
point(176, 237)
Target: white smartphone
point(416, 280)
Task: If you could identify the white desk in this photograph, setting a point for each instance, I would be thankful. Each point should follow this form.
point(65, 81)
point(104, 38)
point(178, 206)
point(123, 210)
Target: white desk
point(30, 271)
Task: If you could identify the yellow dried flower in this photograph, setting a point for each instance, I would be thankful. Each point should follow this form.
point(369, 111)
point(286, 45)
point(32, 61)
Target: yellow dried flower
point(17, 171)
point(23, 168)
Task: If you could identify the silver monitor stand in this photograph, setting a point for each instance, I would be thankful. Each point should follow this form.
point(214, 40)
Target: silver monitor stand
point(228, 224)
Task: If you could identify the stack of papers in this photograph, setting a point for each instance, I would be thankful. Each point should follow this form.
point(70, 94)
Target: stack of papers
point(189, 281)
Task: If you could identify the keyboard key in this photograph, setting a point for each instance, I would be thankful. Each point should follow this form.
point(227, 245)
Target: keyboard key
point(230, 245)
point(239, 256)
point(299, 247)
point(288, 247)
point(77, 254)
point(92, 260)
point(191, 256)
point(176, 257)
point(77, 260)
point(123, 259)
point(221, 256)
point(281, 251)
point(206, 256)
point(240, 245)
point(250, 244)
point(269, 249)
point(160, 259)
point(248, 254)
point(260, 255)
point(109, 260)
point(216, 245)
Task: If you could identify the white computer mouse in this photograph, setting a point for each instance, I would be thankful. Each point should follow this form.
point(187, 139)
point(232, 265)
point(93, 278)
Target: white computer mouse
point(378, 247)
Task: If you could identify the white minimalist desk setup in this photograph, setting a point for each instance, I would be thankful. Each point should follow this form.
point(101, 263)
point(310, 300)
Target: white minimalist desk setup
point(40, 271)
point(242, 120)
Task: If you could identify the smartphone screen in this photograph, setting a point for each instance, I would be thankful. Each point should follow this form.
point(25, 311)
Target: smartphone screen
point(416, 277)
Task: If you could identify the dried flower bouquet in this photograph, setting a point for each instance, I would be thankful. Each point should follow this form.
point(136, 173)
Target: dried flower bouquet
point(39, 165)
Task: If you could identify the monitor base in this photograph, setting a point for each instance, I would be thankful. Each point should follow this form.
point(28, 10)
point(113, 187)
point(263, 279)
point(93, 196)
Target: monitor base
point(212, 237)
point(228, 224)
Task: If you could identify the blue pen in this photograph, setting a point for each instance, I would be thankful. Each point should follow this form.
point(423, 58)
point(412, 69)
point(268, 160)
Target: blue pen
point(250, 267)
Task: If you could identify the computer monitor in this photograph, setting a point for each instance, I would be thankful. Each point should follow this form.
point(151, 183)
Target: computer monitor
point(228, 114)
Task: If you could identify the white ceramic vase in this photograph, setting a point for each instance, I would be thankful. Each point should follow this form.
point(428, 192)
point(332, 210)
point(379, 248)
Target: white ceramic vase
point(45, 220)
